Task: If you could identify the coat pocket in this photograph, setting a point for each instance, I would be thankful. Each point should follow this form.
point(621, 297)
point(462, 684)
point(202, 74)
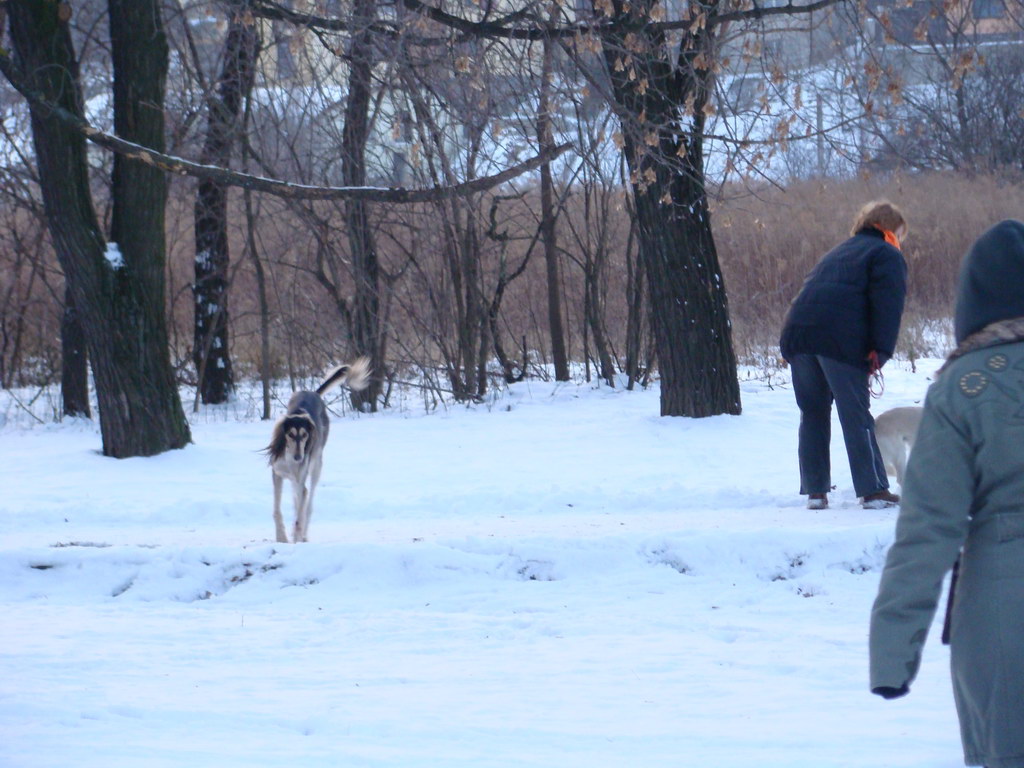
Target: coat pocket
point(1010, 527)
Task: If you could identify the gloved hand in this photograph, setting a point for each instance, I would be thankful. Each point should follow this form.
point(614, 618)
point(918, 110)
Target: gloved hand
point(888, 692)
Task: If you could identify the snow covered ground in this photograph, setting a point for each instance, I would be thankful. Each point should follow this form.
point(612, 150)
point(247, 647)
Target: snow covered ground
point(557, 578)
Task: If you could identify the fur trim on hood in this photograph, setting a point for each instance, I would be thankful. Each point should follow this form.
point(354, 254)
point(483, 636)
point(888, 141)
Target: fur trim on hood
point(1001, 332)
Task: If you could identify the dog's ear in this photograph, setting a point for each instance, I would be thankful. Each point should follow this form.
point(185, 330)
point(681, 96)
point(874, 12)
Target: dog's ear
point(276, 448)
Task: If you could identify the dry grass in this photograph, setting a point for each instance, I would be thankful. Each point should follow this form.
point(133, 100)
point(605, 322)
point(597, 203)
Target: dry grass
point(767, 240)
point(768, 243)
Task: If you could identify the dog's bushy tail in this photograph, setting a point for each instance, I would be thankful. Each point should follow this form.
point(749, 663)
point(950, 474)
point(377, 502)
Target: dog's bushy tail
point(354, 375)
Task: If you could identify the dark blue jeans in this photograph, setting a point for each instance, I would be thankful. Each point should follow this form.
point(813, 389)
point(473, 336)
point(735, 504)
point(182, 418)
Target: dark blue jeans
point(817, 382)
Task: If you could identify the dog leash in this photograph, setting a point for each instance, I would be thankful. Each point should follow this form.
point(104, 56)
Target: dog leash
point(876, 381)
point(876, 385)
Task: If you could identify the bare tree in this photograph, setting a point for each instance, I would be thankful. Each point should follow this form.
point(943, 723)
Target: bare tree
point(24, 228)
point(367, 333)
point(595, 236)
point(118, 289)
point(24, 250)
point(413, 251)
point(210, 348)
point(943, 85)
point(548, 212)
point(660, 92)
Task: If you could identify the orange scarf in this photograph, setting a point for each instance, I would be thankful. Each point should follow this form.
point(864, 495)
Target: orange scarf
point(891, 239)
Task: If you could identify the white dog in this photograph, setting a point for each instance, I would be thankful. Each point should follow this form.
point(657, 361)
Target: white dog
point(895, 431)
point(296, 448)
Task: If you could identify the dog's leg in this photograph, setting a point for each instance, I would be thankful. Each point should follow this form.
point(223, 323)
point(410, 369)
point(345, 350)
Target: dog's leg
point(299, 499)
point(302, 524)
point(890, 448)
point(314, 478)
point(278, 522)
point(901, 463)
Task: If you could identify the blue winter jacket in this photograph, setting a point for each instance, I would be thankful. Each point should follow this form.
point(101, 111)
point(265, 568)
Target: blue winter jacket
point(851, 303)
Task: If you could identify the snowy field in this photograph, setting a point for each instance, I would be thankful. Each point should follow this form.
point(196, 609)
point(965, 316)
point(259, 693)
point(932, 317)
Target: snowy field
point(556, 578)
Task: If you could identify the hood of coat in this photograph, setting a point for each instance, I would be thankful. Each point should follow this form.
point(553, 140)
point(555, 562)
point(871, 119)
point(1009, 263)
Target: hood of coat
point(989, 288)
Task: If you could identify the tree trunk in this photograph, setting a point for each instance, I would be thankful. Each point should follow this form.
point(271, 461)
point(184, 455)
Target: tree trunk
point(74, 377)
point(120, 297)
point(139, 52)
point(261, 293)
point(593, 310)
point(476, 330)
point(367, 335)
point(688, 307)
point(595, 258)
point(636, 289)
point(16, 302)
point(494, 308)
point(548, 214)
point(210, 351)
point(662, 109)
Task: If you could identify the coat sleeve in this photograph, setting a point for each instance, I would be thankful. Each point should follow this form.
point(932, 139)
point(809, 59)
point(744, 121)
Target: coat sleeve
point(887, 291)
point(938, 495)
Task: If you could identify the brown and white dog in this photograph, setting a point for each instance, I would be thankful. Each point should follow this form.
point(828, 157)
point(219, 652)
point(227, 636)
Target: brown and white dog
point(296, 449)
point(895, 432)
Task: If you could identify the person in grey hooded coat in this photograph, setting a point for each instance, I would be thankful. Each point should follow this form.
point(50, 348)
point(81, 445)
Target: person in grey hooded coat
point(964, 495)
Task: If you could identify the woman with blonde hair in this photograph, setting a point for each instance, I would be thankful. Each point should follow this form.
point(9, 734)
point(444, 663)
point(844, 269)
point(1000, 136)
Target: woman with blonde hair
point(840, 329)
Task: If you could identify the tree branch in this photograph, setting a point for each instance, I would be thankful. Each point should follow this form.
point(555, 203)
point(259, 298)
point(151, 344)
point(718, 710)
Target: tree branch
point(284, 189)
point(540, 30)
point(273, 11)
point(757, 12)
